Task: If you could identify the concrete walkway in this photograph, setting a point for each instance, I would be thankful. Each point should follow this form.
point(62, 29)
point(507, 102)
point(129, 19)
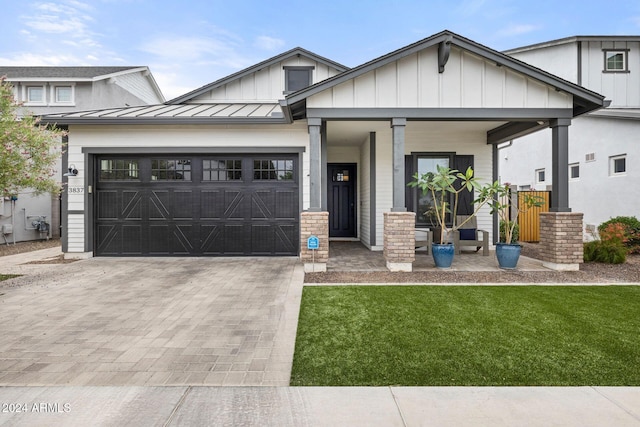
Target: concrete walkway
point(321, 406)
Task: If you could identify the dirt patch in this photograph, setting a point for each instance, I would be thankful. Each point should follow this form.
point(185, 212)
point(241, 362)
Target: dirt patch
point(592, 272)
point(30, 246)
point(56, 260)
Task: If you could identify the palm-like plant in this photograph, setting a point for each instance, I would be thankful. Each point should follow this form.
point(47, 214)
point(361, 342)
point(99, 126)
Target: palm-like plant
point(443, 184)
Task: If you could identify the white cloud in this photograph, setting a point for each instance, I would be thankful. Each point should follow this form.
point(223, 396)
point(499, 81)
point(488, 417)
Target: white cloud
point(517, 29)
point(59, 18)
point(34, 60)
point(196, 50)
point(268, 43)
point(470, 7)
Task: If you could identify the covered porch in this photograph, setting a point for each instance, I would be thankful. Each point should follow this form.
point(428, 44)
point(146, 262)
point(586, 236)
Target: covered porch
point(355, 257)
point(444, 100)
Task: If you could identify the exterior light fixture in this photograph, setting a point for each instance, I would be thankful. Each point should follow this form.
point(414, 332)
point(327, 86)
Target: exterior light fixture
point(72, 171)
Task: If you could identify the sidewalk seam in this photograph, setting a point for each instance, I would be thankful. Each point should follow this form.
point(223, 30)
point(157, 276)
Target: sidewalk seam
point(178, 406)
point(619, 405)
point(404, 422)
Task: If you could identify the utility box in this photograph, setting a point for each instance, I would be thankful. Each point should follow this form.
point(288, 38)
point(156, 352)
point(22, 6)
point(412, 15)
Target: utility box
point(7, 229)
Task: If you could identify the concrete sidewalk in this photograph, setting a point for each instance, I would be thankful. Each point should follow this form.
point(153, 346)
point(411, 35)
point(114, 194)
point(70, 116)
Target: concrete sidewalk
point(320, 406)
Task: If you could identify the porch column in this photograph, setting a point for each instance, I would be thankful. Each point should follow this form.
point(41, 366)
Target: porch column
point(399, 225)
point(315, 222)
point(560, 165)
point(398, 125)
point(315, 165)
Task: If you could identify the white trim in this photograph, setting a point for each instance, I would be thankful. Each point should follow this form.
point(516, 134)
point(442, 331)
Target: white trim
point(53, 96)
point(612, 160)
point(573, 165)
point(25, 95)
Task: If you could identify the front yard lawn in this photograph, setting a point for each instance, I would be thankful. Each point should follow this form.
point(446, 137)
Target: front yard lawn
point(468, 335)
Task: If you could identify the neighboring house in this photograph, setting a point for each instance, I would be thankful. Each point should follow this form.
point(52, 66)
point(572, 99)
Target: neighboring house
point(604, 145)
point(243, 165)
point(45, 90)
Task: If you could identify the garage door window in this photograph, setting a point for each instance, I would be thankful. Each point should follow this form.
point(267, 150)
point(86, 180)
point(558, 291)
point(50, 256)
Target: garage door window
point(222, 170)
point(273, 170)
point(119, 170)
point(170, 170)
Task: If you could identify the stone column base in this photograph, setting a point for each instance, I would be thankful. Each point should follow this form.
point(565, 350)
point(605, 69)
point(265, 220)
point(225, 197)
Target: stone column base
point(399, 240)
point(78, 255)
point(561, 243)
point(314, 224)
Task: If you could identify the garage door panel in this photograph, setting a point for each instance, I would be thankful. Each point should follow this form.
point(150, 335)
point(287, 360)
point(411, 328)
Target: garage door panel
point(131, 205)
point(234, 239)
point(262, 204)
point(158, 203)
point(286, 204)
point(131, 238)
point(211, 239)
point(234, 204)
point(211, 204)
point(107, 205)
point(286, 238)
point(182, 205)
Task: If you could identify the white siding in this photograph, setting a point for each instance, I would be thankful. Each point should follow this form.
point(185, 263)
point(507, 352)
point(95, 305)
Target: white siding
point(139, 85)
point(365, 193)
point(604, 137)
point(266, 84)
point(467, 82)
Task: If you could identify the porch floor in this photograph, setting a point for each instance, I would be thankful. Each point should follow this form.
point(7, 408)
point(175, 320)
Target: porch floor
point(354, 256)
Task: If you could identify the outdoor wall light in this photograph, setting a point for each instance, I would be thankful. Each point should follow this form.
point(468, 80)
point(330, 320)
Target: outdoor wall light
point(72, 171)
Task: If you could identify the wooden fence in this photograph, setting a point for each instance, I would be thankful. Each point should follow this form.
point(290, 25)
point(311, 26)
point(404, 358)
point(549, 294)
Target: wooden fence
point(529, 221)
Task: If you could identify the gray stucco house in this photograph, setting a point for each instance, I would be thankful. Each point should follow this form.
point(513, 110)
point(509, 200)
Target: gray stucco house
point(46, 90)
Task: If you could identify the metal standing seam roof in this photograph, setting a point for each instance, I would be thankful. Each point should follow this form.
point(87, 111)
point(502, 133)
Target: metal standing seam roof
point(265, 112)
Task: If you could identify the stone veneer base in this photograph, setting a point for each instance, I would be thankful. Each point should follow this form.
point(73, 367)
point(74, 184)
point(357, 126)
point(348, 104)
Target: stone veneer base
point(318, 267)
point(406, 267)
point(561, 267)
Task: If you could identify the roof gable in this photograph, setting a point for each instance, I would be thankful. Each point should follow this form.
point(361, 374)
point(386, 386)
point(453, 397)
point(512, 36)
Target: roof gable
point(583, 99)
point(232, 79)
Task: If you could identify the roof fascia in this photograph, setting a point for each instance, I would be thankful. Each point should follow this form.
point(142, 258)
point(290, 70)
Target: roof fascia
point(51, 120)
point(121, 73)
point(242, 73)
point(49, 79)
point(573, 39)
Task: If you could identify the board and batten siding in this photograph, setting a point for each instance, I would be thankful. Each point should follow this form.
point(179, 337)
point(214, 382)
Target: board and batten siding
point(175, 138)
point(365, 193)
point(266, 84)
point(467, 82)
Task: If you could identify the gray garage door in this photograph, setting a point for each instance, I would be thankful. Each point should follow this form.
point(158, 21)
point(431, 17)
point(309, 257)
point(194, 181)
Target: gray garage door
point(197, 205)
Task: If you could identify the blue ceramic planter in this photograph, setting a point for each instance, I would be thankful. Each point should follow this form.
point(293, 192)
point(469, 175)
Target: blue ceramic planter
point(508, 255)
point(442, 254)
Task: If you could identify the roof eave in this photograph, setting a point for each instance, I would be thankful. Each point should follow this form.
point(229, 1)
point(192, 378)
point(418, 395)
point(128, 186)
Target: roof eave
point(64, 121)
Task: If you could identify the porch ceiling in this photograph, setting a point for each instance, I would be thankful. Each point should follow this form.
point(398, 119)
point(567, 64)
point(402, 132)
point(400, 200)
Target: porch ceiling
point(355, 132)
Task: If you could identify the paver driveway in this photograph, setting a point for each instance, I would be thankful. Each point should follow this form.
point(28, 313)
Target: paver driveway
point(151, 321)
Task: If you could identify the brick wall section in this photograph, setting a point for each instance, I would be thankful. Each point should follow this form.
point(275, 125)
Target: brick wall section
point(399, 237)
point(314, 224)
point(561, 237)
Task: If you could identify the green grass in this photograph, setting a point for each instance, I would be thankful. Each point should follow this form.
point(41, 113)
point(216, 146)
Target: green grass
point(7, 276)
point(461, 335)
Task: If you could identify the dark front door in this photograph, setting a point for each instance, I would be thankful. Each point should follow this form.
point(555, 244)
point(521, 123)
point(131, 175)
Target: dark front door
point(341, 199)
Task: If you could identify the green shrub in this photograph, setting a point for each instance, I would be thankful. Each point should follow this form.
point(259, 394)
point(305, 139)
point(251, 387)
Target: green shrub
point(631, 231)
point(609, 252)
point(516, 231)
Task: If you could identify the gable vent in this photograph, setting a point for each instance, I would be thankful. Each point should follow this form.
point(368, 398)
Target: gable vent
point(590, 157)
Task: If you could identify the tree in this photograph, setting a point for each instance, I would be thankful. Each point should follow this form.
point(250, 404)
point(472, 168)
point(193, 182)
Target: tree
point(28, 150)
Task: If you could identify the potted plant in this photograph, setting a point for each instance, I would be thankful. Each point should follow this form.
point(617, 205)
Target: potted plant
point(443, 185)
point(508, 249)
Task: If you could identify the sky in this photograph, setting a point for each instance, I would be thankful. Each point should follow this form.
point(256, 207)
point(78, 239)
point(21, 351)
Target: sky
point(190, 43)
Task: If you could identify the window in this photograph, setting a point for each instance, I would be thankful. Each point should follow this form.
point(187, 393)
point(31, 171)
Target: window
point(425, 213)
point(35, 94)
point(618, 165)
point(273, 170)
point(222, 170)
point(616, 61)
point(119, 170)
point(540, 175)
point(297, 78)
point(63, 94)
point(170, 170)
point(574, 171)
